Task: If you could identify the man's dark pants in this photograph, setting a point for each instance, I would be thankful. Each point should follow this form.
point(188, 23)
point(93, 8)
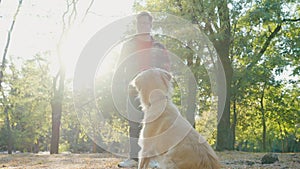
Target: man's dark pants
point(135, 117)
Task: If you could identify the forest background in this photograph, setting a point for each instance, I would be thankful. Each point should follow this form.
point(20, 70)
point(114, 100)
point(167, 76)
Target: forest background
point(257, 43)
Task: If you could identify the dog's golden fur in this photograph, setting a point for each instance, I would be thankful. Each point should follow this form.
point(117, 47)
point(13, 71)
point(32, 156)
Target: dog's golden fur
point(166, 136)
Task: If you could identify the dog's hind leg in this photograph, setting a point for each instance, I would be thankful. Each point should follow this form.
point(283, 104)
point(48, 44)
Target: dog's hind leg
point(143, 163)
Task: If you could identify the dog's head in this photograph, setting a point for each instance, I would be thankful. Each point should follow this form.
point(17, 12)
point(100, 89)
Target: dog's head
point(152, 85)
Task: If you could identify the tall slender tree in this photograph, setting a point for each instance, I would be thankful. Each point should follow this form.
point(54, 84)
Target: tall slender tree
point(68, 19)
point(2, 70)
point(59, 81)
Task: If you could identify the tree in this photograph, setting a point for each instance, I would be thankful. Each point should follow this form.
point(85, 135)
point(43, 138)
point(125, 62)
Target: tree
point(245, 34)
point(29, 96)
point(262, 45)
point(27, 93)
point(2, 70)
point(56, 106)
point(68, 19)
point(213, 19)
point(58, 95)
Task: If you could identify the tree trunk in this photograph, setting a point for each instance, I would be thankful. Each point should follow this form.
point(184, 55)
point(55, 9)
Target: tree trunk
point(56, 117)
point(224, 133)
point(36, 146)
point(8, 128)
point(221, 41)
point(264, 130)
point(263, 119)
point(191, 93)
point(95, 147)
point(234, 121)
point(191, 106)
point(56, 106)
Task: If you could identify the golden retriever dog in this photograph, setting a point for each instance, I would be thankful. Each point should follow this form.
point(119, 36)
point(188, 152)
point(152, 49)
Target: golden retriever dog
point(166, 136)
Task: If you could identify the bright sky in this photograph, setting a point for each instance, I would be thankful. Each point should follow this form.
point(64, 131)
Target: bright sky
point(39, 25)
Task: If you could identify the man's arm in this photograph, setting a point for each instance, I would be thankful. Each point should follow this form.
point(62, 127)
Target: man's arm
point(127, 49)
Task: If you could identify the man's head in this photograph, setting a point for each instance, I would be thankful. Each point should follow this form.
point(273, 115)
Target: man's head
point(144, 22)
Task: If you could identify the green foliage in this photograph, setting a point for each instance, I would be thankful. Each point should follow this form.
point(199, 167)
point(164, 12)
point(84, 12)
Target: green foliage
point(260, 56)
point(28, 96)
point(264, 46)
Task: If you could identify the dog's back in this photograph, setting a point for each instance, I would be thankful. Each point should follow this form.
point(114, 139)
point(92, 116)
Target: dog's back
point(166, 135)
point(193, 152)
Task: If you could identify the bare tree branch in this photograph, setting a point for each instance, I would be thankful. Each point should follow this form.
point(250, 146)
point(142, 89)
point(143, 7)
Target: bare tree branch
point(88, 9)
point(260, 53)
point(73, 14)
point(64, 16)
point(268, 41)
point(291, 20)
point(2, 69)
point(264, 48)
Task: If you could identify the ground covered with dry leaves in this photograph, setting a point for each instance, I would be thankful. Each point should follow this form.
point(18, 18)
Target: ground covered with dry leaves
point(229, 160)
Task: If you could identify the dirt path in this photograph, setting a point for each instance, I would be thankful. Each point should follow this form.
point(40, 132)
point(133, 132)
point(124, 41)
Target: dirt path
point(230, 160)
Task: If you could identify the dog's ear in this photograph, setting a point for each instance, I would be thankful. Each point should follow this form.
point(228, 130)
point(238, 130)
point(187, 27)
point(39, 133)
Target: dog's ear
point(135, 83)
point(132, 89)
point(167, 76)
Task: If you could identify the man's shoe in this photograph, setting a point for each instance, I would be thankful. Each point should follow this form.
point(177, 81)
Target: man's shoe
point(153, 164)
point(128, 163)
